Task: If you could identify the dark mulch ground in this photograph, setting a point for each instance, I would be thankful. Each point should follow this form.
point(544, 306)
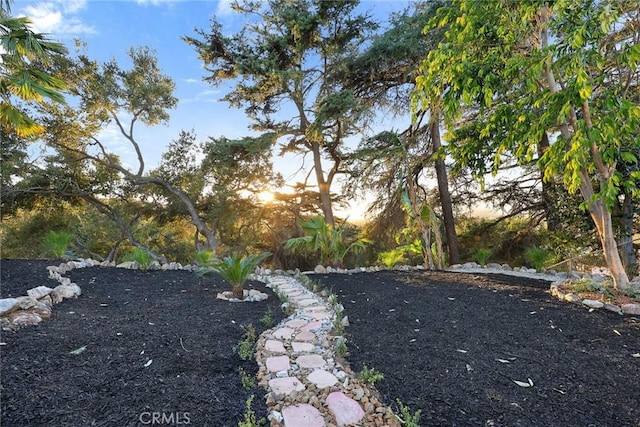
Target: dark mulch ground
point(126, 318)
point(437, 338)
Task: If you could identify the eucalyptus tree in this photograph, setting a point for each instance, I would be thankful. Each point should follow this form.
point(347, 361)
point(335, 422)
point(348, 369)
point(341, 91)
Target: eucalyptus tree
point(283, 62)
point(24, 57)
point(566, 77)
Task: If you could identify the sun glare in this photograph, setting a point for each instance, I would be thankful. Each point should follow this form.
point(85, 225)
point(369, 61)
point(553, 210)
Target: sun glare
point(266, 196)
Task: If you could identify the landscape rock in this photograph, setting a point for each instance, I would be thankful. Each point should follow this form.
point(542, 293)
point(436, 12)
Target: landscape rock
point(65, 291)
point(593, 303)
point(7, 305)
point(320, 269)
point(39, 292)
point(631, 309)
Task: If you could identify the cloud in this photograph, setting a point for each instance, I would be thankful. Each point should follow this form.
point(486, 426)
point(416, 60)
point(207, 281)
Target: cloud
point(224, 7)
point(58, 17)
point(153, 2)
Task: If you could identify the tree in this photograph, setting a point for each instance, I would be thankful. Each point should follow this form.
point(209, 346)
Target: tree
point(543, 54)
point(23, 56)
point(110, 95)
point(384, 74)
point(283, 62)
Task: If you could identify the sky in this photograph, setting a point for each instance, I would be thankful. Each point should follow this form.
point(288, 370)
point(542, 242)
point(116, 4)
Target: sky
point(110, 28)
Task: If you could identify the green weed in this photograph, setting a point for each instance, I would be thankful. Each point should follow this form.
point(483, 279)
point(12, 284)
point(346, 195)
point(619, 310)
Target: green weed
point(370, 375)
point(141, 256)
point(482, 255)
point(408, 419)
point(248, 381)
point(248, 343)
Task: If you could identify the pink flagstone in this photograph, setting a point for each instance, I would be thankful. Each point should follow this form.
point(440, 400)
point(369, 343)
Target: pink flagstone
point(302, 346)
point(278, 363)
point(296, 323)
point(310, 361)
point(283, 333)
point(318, 315)
point(305, 336)
point(312, 326)
point(306, 302)
point(285, 385)
point(303, 415)
point(346, 410)
point(322, 378)
point(274, 346)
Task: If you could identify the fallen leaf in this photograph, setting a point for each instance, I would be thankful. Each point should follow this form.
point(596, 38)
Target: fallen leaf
point(559, 391)
point(148, 363)
point(451, 298)
point(503, 361)
point(618, 333)
point(635, 355)
point(78, 350)
point(532, 312)
point(523, 384)
point(462, 351)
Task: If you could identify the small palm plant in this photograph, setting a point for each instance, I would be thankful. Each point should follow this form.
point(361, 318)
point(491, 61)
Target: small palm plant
point(236, 270)
point(57, 243)
point(328, 240)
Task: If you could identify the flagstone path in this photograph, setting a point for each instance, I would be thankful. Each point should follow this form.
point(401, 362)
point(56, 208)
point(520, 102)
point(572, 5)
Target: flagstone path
point(297, 361)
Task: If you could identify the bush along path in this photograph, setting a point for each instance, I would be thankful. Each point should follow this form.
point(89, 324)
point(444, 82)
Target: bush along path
point(308, 384)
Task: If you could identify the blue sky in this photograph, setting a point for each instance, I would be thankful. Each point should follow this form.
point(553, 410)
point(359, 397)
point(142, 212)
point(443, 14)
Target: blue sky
point(110, 28)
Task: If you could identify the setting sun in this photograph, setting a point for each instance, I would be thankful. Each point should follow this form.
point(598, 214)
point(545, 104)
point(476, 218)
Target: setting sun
point(266, 196)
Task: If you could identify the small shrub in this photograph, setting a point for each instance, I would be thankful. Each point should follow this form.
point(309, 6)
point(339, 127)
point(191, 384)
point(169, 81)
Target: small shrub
point(391, 258)
point(236, 270)
point(205, 258)
point(141, 256)
point(57, 243)
point(408, 419)
point(537, 257)
point(248, 381)
point(341, 347)
point(245, 349)
point(267, 319)
point(482, 255)
point(369, 375)
point(250, 419)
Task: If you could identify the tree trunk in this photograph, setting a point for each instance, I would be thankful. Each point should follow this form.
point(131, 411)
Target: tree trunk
point(186, 201)
point(323, 187)
point(603, 219)
point(443, 189)
point(238, 291)
point(629, 259)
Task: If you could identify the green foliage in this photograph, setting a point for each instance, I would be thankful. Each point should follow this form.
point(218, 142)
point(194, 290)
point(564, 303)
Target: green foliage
point(482, 255)
point(409, 419)
point(247, 344)
point(537, 257)
point(236, 270)
point(341, 347)
point(391, 258)
point(248, 381)
point(327, 240)
point(57, 243)
point(267, 319)
point(370, 375)
point(250, 419)
point(23, 75)
point(205, 258)
point(141, 256)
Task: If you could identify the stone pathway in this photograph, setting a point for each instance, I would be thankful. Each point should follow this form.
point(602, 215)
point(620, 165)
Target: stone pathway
point(297, 363)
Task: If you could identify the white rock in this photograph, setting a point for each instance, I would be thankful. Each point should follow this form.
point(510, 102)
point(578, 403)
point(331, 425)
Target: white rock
point(39, 292)
point(593, 303)
point(65, 291)
point(7, 305)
